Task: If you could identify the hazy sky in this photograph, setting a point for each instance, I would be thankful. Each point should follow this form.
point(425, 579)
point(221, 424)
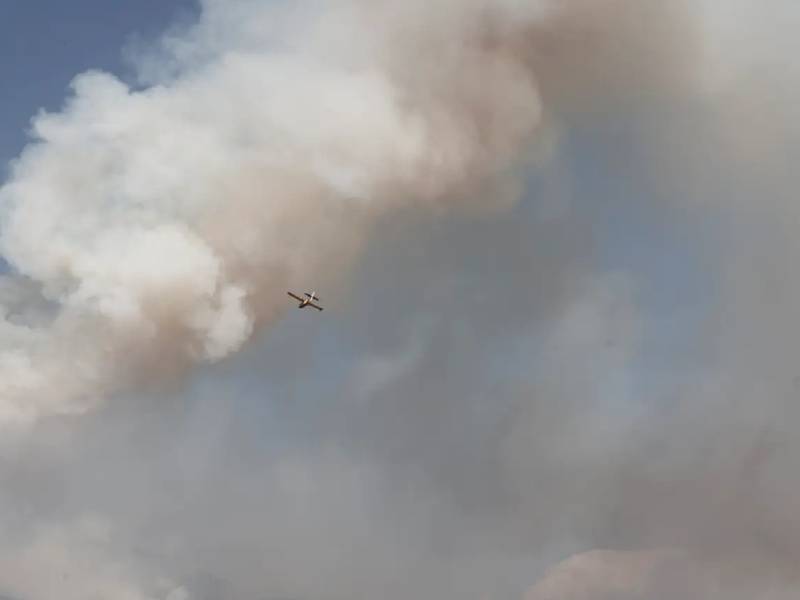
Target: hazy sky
point(556, 244)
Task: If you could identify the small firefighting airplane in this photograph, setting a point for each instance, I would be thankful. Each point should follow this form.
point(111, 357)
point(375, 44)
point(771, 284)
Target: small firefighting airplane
point(307, 301)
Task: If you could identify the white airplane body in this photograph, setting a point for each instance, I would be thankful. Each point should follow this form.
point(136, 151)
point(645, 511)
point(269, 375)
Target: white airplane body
point(307, 301)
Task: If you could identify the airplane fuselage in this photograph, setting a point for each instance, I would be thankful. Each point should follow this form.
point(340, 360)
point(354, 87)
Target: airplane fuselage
point(307, 301)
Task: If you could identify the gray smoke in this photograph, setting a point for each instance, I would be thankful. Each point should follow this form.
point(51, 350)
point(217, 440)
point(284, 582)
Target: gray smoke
point(557, 244)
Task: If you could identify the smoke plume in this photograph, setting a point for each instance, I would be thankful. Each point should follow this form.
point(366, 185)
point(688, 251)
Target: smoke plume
point(161, 226)
point(556, 241)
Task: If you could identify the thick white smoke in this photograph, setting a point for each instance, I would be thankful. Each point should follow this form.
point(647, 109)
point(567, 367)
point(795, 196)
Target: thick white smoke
point(160, 227)
point(504, 400)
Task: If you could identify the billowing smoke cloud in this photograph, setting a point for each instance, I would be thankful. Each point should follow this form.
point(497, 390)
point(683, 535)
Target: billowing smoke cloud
point(161, 226)
point(600, 377)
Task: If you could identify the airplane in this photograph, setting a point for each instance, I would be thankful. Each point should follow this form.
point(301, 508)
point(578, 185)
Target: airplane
point(307, 301)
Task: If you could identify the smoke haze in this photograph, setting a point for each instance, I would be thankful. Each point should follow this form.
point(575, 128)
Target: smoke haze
point(556, 244)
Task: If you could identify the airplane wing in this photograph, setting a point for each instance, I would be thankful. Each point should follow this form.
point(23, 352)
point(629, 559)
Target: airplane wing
point(295, 296)
point(315, 306)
